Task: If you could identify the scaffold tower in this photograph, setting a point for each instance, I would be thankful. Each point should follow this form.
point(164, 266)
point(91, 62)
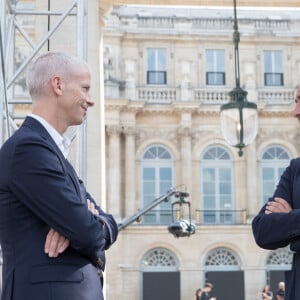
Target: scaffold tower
point(27, 29)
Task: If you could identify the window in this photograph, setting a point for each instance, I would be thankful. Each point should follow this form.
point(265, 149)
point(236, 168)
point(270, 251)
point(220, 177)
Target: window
point(160, 275)
point(157, 179)
point(273, 68)
point(217, 187)
point(156, 66)
point(222, 258)
point(159, 259)
point(279, 259)
point(274, 160)
point(215, 67)
point(278, 262)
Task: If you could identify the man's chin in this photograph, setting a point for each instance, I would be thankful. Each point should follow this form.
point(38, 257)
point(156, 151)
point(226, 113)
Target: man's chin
point(79, 122)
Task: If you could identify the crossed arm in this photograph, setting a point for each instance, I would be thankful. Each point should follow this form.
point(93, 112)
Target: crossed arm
point(56, 243)
point(278, 205)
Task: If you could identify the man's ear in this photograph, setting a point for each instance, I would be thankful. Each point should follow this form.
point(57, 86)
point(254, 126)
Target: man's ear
point(56, 84)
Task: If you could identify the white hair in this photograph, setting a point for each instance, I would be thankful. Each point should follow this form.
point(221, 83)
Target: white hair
point(46, 66)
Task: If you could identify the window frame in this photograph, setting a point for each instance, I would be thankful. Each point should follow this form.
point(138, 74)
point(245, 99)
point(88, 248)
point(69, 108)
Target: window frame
point(273, 73)
point(275, 164)
point(215, 71)
point(156, 73)
point(219, 214)
point(163, 211)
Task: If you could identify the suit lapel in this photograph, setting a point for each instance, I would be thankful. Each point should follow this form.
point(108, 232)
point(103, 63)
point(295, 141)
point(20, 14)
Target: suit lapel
point(68, 168)
point(74, 179)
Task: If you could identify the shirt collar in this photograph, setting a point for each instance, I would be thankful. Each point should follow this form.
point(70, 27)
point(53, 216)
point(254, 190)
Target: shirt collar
point(61, 141)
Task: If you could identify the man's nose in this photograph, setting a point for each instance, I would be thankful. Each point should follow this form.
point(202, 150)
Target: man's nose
point(90, 102)
point(296, 111)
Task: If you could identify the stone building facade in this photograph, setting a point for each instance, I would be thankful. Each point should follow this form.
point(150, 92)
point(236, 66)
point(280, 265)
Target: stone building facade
point(167, 72)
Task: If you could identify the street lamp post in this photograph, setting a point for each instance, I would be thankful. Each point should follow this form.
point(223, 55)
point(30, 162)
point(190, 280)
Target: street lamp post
point(239, 119)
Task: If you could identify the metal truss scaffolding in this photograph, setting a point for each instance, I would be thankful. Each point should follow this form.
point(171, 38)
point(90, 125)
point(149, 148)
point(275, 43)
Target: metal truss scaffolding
point(28, 28)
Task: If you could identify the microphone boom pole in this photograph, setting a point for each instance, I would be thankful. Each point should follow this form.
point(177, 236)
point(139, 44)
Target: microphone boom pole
point(148, 207)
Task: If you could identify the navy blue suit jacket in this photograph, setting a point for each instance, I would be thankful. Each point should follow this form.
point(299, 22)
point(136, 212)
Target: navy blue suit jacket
point(277, 230)
point(39, 190)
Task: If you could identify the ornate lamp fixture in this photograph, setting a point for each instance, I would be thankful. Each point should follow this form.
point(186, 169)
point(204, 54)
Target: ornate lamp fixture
point(239, 119)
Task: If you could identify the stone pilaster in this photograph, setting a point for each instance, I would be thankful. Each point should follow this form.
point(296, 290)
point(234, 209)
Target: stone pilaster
point(251, 180)
point(186, 157)
point(130, 184)
point(114, 171)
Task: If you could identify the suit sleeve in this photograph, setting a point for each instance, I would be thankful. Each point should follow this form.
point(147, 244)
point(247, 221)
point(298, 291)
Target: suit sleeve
point(110, 225)
point(276, 230)
point(40, 180)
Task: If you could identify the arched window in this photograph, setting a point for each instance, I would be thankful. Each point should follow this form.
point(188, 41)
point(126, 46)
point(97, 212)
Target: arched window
point(159, 259)
point(280, 259)
point(157, 179)
point(160, 275)
point(277, 262)
point(274, 160)
point(217, 196)
point(223, 268)
point(221, 259)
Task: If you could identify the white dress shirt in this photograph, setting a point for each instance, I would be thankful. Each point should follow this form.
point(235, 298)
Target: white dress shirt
point(61, 141)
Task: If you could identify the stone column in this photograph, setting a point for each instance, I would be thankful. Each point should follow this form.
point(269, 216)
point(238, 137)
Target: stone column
point(251, 180)
point(254, 280)
point(130, 68)
point(129, 171)
point(114, 171)
point(186, 157)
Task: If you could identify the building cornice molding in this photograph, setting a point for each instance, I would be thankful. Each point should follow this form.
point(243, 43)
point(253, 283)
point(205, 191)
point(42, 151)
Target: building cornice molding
point(278, 112)
point(228, 3)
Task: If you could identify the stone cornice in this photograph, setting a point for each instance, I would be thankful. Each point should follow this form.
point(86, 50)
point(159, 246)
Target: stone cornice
point(106, 5)
point(282, 111)
point(275, 112)
point(116, 104)
point(247, 3)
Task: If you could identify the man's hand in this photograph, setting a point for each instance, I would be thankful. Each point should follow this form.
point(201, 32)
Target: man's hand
point(279, 205)
point(91, 207)
point(55, 243)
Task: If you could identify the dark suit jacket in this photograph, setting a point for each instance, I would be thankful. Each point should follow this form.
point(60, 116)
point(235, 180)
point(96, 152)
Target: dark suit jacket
point(278, 230)
point(39, 190)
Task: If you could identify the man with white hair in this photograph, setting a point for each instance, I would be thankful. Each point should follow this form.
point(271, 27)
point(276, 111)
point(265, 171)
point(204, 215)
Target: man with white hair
point(52, 232)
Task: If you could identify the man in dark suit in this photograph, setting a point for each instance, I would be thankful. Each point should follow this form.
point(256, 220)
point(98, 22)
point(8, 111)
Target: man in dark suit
point(277, 224)
point(52, 232)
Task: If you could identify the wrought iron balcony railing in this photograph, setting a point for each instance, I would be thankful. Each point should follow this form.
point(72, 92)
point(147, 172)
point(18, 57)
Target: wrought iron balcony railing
point(221, 217)
point(201, 217)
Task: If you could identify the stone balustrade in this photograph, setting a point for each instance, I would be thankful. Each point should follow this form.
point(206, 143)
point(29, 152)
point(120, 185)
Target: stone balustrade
point(276, 96)
point(157, 94)
point(206, 96)
point(211, 96)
